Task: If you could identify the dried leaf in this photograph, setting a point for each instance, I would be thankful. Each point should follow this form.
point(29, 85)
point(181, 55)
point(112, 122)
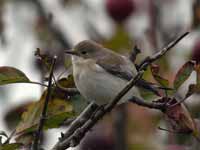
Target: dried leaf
point(155, 72)
point(60, 107)
point(10, 75)
point(26, 139)
point(180, 118)
point(58, 111)
point(67, 82)
point(183, 73)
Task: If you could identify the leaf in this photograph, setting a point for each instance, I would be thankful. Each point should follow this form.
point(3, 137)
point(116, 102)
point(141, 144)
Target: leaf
point(179, 118)
point(61, 107)
point(11, 146)
point(183, 74)
point(77, 101)
point(58, 110)
point(67, 82)
point(25, 139)
point(155, 72)
point(10, 75)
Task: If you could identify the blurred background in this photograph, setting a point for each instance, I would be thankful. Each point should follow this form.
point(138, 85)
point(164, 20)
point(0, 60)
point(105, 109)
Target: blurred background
point(55, 26)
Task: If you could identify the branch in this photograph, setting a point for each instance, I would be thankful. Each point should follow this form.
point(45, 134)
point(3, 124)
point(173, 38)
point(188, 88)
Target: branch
point(80, 120)
point(38, 133)
point(148, 60)
point(77, 136)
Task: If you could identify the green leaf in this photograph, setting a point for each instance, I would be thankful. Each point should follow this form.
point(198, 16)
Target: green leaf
point(10, 75)
point(58, 110)
point(183, 74)
point(61, 107)
point(11, 146)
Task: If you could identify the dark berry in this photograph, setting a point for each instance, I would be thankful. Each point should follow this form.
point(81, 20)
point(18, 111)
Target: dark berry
point(119, 10)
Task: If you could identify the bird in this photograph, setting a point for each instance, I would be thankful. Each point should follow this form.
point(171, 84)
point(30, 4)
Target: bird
point(100, 73)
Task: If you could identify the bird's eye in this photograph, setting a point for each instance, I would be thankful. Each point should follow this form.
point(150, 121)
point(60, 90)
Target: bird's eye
point(84, 52)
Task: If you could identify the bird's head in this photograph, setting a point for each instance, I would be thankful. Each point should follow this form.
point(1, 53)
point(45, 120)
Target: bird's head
point(86, 50)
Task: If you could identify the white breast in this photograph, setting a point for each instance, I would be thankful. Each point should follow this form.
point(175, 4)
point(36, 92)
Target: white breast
point(95, 84)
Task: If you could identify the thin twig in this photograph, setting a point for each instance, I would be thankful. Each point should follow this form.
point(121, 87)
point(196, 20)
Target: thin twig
point(151, 105)
point(148, 60)
point(38, 134)
point(76, 137)
point(178, 102)
point(134, 54)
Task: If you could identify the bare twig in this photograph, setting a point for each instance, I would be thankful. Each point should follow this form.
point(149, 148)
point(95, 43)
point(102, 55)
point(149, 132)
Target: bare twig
point(148, 60)
point(134, 53)
point(76, 137)
point(152, 105)
point(37, 138)
point(178, 102)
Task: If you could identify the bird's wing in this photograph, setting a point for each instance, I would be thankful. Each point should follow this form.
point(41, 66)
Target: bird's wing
point(117, 65)
point(123, 68)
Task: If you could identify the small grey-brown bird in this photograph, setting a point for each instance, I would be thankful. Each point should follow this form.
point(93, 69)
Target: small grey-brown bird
point(100, 74)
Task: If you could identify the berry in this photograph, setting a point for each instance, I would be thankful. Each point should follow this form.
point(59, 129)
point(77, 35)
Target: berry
point(119, 10)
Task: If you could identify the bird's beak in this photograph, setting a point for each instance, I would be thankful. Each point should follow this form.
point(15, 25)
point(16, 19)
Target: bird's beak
point(72, 52)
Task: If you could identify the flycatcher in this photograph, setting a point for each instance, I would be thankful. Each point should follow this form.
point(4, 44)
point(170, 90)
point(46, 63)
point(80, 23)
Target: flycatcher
point(100, 74)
